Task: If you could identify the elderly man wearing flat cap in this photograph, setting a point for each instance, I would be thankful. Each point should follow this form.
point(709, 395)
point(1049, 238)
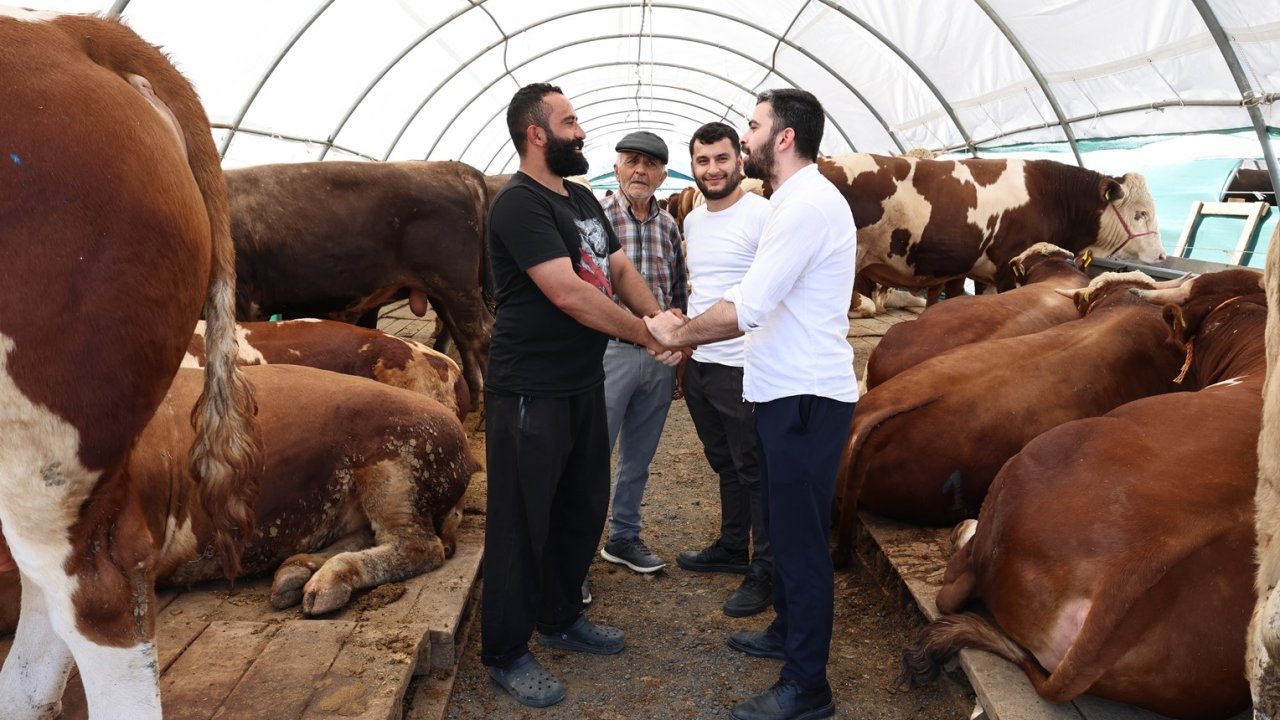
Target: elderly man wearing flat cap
point(638, 389)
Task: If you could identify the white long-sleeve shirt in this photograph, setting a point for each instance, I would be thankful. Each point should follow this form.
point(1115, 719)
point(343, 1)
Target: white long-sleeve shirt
point(793, 303)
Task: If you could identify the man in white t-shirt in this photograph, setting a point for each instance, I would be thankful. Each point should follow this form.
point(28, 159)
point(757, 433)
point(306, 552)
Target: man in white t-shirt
point(792, 304)
point(721, 239)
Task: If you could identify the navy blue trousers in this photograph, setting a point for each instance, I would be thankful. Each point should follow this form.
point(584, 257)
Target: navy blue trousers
point(801, 439)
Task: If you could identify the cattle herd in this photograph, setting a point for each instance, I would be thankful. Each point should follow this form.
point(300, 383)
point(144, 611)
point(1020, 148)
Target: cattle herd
point(1110, 446)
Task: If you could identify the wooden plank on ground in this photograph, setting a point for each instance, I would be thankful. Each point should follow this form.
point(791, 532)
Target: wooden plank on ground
point(917, 558)
point(370, 675)
point(199, 681)
point(440, 599)
point(282, 679)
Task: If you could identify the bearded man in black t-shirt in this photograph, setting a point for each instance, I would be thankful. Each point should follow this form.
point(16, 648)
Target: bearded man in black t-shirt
point(556, 263)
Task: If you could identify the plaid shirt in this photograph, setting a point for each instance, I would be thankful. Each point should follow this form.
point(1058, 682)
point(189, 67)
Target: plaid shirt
point(655, 248)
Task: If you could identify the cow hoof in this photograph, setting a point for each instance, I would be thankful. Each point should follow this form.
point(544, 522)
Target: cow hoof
point(286, 588)
point(318, 600)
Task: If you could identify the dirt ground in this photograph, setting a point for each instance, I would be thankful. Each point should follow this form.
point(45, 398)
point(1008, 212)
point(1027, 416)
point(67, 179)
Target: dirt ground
point(676, 663)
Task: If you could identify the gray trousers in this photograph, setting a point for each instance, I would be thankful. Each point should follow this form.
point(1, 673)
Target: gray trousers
point(637, 394)
point(726, 426)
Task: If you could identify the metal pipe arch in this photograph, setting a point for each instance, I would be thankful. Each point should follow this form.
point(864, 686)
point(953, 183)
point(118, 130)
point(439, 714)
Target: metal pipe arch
point(556, 78)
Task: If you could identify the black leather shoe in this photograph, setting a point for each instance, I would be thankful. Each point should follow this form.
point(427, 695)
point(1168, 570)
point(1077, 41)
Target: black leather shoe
point(754, 595)
point(714, 559)
point(758, 643)
point(787, 701)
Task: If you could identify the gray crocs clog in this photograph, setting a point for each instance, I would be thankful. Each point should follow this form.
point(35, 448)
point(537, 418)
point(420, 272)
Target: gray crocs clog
point(528, 682)
point(583, 636)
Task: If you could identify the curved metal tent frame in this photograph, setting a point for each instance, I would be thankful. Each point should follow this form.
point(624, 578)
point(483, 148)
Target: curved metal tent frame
point(555, 78)
point(1251, 97)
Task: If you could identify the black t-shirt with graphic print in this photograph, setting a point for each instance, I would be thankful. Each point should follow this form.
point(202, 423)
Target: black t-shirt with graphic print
point(536, 348)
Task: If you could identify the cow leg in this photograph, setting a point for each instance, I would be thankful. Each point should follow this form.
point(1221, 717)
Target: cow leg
point(35, 673)
point(296, 570)
point(449, 530)
point(470, 324)
point(406, 543)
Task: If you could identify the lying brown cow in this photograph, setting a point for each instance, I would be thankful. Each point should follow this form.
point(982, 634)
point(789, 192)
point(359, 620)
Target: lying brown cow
point(909, 458)
point(348, 349)
point(339, 239)
point(1032, 307)
point(360, 488)
point(1115, 553)
point(113, 232)
point(924, 222)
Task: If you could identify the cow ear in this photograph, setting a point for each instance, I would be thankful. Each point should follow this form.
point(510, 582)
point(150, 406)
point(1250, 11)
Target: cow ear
point(1176, 320)
point(1112, 190)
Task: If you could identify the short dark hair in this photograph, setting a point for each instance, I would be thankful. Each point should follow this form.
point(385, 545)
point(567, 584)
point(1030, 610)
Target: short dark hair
point(527, 109)
point(714, 132)
point(800, 111)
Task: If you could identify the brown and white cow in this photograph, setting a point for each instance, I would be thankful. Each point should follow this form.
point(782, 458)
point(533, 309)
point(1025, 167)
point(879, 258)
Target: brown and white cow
point(346, 458)
point(1115, 553)
point(924, 222)
point(340, 239)
point(114, 233)
point(348, 349)
point(1263, 657)
point(909, 459)
point(363, 492)
point(1033, 306)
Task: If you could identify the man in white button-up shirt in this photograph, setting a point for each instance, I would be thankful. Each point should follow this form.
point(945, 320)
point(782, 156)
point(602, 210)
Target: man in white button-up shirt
point(792, 304)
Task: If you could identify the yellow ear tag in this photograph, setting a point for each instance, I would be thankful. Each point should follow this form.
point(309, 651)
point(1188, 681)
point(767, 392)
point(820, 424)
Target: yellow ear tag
point(1085, 259)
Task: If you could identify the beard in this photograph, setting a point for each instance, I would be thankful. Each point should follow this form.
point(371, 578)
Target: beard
point(759, 164)
point(730, 184)
point(563, 157)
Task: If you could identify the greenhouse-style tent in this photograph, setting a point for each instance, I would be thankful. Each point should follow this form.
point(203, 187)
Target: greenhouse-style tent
point(298, 80)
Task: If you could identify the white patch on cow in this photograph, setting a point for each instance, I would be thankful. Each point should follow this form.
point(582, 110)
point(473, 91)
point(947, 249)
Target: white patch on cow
point(36, 669)
point(1007, 193)
point(180, 544)
point(126, 684)
point(28, 15)
point(41, 480)
point(854, 164)
point(961, 534)
point(1229, 382)
point(248, 354)
point(1066, 629)
point(299, 320)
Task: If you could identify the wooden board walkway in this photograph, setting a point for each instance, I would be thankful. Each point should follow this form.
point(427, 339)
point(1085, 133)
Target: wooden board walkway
point(227, 654)
point(913, 559)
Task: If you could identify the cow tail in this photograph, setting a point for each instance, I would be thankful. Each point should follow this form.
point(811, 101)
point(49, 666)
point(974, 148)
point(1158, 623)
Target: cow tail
point(226, 457)
point(487, 287)
point(852, 473)
point(941, 639)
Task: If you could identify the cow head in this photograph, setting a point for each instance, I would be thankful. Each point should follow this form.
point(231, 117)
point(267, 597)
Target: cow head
point(1033, 255)
point(1186, 306)
point(1127, 228)
point(1114, 288)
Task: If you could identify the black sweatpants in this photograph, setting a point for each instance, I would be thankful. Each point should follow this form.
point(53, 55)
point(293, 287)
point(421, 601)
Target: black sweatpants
point(801, 439)
point(548, 468)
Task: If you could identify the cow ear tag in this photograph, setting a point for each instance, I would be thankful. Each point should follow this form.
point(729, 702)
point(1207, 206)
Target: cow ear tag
point(1086, 258)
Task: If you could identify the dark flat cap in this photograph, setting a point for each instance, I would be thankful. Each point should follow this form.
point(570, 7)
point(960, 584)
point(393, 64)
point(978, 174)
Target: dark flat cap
point(645, 143)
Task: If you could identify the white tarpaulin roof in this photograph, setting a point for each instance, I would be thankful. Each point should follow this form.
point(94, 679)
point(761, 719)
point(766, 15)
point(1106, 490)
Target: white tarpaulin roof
point(295, 80)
